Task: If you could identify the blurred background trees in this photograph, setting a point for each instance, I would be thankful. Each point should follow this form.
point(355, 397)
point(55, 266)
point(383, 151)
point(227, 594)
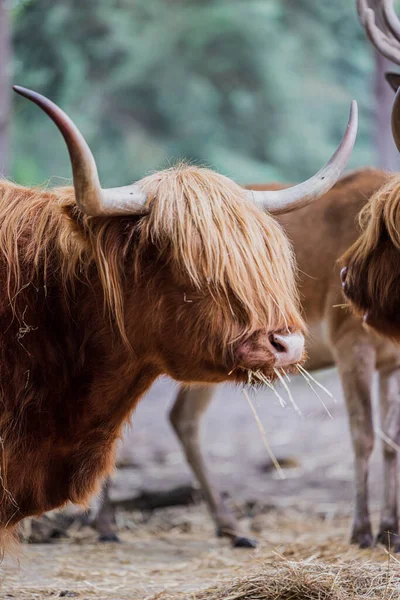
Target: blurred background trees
point(259, 89)
point(5, 91)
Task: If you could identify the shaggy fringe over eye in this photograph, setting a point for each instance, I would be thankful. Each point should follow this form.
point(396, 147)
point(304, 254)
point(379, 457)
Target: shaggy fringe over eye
point(207, 229)
point(201, 223)
point(382, 211)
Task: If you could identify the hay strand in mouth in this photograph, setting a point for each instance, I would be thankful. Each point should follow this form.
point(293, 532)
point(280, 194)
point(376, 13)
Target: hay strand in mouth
point(307, 374)
point(264, 436)
point(285, 385)
point(306, 379)
point(281, 400)
point(261, 377)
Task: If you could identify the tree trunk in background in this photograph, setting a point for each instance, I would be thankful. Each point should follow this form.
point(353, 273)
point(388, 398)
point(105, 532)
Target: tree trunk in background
point(387, 154)
point(5, 91)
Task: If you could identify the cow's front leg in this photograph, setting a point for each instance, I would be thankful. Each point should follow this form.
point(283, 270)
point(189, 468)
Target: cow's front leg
point(104, 521)
point(355, 358)
point(390, 422)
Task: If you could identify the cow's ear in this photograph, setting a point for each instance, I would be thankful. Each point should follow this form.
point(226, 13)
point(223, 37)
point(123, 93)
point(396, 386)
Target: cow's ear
point(394, 80)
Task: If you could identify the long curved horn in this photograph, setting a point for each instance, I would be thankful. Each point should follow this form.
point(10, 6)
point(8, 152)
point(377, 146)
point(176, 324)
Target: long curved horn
point(391, 18)
point(382, 26)
point(90, 197)
point(396, 120)
point(284, 201)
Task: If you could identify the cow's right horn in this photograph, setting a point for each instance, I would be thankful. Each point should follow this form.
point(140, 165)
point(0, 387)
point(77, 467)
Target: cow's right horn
point(289, 199)
point(89, 195)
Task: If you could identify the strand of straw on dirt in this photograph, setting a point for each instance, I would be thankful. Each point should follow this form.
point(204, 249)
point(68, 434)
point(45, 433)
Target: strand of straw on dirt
point(285, 385)
point(316, 393)
point(388, 568)
point(307, 374)
point(264, 437)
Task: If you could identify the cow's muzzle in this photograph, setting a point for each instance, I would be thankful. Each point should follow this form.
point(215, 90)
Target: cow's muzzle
point(268, 350)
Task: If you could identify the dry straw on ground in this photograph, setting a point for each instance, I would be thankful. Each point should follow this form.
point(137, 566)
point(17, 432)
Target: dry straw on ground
point(308, 580)
point(173, 555)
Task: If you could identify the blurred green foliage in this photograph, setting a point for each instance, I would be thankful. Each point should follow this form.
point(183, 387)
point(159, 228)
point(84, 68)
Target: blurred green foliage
point(259, 89)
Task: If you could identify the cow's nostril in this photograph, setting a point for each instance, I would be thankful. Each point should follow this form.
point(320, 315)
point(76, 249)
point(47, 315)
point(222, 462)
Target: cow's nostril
point(343, 275)
point(279, 347)
point(287, 347)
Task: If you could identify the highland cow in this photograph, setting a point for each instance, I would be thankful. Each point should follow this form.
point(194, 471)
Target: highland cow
point(104, 290)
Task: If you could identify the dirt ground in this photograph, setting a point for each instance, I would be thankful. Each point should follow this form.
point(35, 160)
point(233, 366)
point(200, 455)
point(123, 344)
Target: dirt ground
point(173, 553)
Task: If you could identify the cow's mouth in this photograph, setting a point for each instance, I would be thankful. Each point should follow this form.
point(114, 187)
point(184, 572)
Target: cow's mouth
point(265, 376)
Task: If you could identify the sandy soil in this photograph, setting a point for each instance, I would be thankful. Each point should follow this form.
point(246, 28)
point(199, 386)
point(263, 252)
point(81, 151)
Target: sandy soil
point(174, 552)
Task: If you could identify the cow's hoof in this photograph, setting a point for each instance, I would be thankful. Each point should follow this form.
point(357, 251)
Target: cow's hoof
point(59, 534)
point(109, 537)
point(243, 542)
point(363, 539)
point(390, 540)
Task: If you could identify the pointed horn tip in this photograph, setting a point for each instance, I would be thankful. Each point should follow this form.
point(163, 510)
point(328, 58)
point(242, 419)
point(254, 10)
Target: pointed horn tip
point(22, 91)
point(354, 109)
point(18, 88)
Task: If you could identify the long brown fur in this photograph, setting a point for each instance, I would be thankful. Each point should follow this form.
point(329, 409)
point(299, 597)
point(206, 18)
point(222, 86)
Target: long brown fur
point(195, 215)
point(92, 310)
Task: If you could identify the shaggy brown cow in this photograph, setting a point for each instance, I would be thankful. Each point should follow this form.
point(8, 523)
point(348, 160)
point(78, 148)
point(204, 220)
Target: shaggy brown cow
point(370, 273)
point(101, 291)
point(336, 338)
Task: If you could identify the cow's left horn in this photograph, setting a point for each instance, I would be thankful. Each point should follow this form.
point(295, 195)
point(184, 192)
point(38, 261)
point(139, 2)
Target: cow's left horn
point(289, 199)
point(90, 197)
